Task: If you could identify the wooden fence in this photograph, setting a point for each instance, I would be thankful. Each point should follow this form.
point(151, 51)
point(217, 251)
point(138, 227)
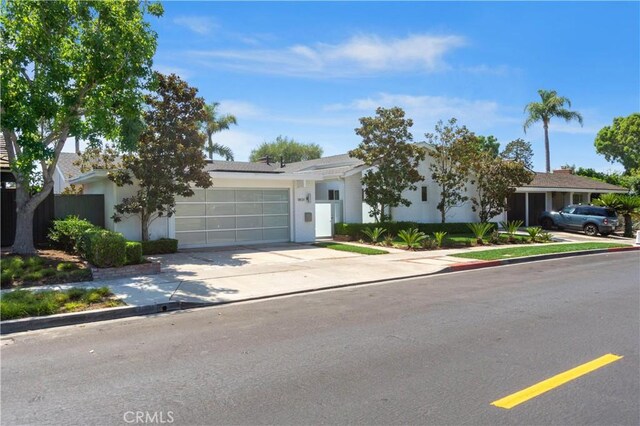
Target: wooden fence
point(90, 207)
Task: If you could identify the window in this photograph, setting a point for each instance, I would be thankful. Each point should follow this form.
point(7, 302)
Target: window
point(334, 194)
point(577, 199)
point(568, 210)
point(424, 193)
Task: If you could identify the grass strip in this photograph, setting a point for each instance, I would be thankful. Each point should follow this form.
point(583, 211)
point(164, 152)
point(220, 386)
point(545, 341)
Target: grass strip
point(510, 252)
point(351, 249)
point(26, 303)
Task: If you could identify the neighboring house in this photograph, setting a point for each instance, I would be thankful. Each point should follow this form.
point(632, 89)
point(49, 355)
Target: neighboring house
point(259, 202)
point(552, 191)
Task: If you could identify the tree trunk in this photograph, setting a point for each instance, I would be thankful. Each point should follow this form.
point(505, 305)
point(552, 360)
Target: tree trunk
point(25, 208)
point(547, 152)
point(443, 216)
point(144, 226)
point(628, 226)
point(210, 148)
point(77, 145)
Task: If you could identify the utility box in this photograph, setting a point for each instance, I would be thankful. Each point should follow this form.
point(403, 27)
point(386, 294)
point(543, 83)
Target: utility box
point(308, 217)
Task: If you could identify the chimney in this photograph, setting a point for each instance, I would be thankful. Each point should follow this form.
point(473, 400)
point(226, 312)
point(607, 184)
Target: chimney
point(281, 161)
point(564, 171)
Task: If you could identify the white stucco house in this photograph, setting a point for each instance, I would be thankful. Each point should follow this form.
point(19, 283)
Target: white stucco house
point(299, 202)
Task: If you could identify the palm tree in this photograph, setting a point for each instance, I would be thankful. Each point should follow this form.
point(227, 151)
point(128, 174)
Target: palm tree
point(214, 124)
point(628, 205)
point(552, 105)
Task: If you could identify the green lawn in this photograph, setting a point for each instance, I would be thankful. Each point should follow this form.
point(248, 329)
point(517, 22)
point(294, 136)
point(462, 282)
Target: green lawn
point(509, 252)
point(350, 248)
point(25, 303)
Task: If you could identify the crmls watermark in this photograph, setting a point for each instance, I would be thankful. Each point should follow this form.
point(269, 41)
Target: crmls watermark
point(148, 417)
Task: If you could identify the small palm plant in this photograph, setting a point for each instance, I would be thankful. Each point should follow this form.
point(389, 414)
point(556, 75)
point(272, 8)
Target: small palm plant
point(374, 234)
point(511, 227)
point(411, 237)
point(480, 230)
point(439, 237)
point(534, 232)
point(388, 240)
point(628, 206)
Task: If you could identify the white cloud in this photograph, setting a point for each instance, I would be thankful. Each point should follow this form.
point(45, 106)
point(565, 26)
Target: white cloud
point(478, 115)
point(198, 24)
point(241, 143)
point(241, 109)
point(363, 54)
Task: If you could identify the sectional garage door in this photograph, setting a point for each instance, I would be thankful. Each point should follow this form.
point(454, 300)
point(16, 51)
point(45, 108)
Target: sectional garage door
point(228, 216)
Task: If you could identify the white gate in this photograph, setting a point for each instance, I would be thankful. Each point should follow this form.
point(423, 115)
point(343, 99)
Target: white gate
point(327, 214)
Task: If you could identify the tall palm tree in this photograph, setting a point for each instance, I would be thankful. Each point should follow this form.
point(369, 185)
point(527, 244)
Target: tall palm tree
point(214, 124)
point(552, 105)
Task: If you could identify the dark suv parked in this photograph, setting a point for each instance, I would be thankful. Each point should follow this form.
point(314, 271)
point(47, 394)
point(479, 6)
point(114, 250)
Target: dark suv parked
point(590, 219)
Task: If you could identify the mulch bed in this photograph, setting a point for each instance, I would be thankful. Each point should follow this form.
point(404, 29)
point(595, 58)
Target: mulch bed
point(52, 258)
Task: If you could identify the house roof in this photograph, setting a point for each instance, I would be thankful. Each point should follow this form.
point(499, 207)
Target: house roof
point(570, 181)
point(66, 166)
point(325, 165)
point(241, 167)
point(4, 155)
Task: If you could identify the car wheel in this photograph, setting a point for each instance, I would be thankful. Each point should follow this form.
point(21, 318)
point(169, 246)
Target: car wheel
point(590, 229)
point(546, 223)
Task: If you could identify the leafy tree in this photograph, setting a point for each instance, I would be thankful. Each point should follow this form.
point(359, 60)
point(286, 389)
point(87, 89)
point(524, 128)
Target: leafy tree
point(290, 150)
point(519, 150)
point(621, 142)
point(450, 149)
point(214, 124)
point(69, 68)
point(495, 179)
point(626, 205)
point(393, 160)
point(551, 106)
point(169, 156)
point(489, 144)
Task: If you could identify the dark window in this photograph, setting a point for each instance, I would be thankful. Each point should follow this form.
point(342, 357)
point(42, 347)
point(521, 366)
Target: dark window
point(424, 193)
point(582, 210)
point(334, 194)
point(611, 213)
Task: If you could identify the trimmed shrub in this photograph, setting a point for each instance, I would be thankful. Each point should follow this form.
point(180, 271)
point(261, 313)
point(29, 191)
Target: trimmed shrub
point(66, 233)
point(104, 248)
point(133, 252)
point(161, 246)
point(356, 230)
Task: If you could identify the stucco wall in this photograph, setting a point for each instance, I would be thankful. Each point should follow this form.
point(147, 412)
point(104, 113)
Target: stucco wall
point(323, 187)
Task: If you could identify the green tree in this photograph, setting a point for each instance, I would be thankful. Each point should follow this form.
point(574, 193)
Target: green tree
point(450, 149)
point(169, 156)
point(393, 159)
point(520, 151)
point(621, 142)
point(551, 106)
point(626, 205)
point(495, 180)
point(288, 149)
point(69, 68)
point(489, 144)
point(214, 123)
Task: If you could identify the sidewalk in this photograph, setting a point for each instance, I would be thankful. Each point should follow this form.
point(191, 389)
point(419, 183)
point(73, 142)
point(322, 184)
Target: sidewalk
point(210, 276)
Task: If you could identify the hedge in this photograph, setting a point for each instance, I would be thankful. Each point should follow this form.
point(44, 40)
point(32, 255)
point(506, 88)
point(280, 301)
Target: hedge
point(133, 251)
point(66, 233)
point(104, 248)
point(161, 246)
point(354, 230)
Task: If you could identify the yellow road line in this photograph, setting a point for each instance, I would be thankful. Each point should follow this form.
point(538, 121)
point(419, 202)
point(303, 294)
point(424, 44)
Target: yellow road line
point(553, 382)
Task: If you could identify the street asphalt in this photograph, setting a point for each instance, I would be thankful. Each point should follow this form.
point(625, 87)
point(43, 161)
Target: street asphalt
point(434, 350)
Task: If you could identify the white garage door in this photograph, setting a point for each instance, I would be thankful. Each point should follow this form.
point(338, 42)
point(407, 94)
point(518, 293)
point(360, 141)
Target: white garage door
point(228, 216)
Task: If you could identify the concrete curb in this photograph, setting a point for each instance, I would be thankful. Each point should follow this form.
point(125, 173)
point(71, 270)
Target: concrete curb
point(59, 320)
point(490, 263)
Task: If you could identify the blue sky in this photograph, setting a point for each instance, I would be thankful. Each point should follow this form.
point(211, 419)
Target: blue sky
point(310, 70)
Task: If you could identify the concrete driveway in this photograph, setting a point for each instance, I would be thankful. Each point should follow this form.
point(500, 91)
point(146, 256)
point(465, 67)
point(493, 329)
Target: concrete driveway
point(581, 237)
